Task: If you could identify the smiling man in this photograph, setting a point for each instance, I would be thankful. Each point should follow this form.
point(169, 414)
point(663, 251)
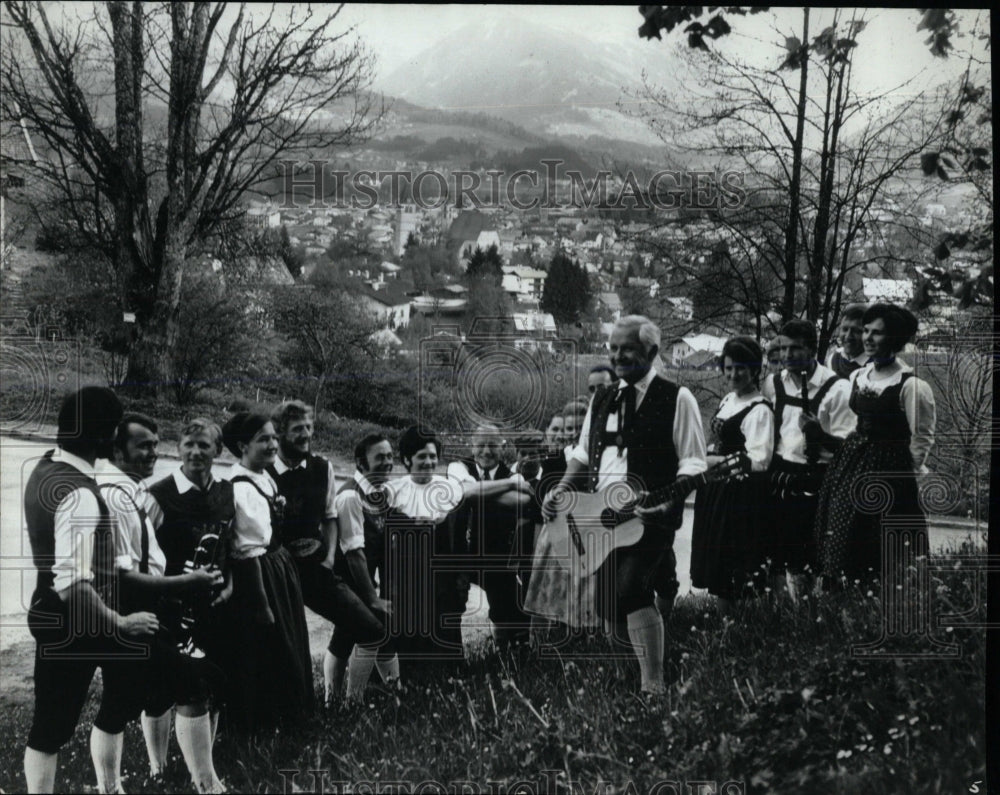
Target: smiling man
point(498, 530)
point(645, 429)
point(309, 530)
point(850, 354)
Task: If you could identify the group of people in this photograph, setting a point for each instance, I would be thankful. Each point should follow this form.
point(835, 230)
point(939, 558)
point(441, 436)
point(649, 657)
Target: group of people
point(190, 592)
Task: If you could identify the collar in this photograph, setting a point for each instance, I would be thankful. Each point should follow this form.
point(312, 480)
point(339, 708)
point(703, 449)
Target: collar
point(260, 477)
point(90, 470)
point(184, 484)
point(281, 467)
point(820, 376)
point(642, 384)
point(366, 485)
point(492, 472)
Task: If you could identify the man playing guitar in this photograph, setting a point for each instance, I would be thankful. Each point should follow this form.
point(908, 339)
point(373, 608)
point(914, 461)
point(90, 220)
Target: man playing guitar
point(646, 430)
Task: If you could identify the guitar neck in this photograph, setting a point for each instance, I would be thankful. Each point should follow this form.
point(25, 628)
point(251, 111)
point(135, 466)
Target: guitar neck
point(679, 488)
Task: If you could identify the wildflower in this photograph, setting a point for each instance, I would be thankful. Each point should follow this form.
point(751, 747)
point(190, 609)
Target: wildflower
point(844, 753)
point(887, 749)
point(870, 593)
point(914, 719)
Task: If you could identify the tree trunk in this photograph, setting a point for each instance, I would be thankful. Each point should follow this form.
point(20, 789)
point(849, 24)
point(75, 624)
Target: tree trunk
point(792, 229)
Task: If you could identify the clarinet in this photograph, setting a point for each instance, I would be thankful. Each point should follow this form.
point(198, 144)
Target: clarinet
point(811, 448)
point(211, 551)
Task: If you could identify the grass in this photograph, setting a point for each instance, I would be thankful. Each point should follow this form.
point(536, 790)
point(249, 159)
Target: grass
point(771, 698)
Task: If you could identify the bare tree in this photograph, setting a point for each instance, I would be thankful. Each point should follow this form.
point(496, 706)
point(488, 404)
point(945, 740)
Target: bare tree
point(241, 90)
point(819, 162)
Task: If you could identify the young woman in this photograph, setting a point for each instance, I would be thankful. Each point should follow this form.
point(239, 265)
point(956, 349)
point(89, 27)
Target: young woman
point(727, 546)
point(267, 660)
point(873, 476)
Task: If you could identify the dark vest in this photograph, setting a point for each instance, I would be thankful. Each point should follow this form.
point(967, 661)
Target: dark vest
point(880, 417)
point(187, 517)
point(469, 517)
point(731, 438)
point(304, 491)
point(652, 460)
point(843, 366)
point(47, 486)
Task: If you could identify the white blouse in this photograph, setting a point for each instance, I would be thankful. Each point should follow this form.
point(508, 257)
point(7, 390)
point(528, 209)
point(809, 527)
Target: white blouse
point(433, 500)
point(253, 515)
point(917, 401)
point(757, 427)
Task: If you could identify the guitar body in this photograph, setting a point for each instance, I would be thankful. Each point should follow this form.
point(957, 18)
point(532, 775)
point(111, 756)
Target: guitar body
point(598, 529)
point(587, 527)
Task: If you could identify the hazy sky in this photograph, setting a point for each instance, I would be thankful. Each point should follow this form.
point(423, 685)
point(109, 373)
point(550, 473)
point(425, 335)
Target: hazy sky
point(893, 49)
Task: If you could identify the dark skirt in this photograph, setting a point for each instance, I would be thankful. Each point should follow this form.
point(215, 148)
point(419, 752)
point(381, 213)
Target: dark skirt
point(729, 536)
point(268, 668)
point(869, 495)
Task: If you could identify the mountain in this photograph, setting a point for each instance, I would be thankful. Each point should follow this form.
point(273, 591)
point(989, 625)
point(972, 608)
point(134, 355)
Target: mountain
point(550, 81)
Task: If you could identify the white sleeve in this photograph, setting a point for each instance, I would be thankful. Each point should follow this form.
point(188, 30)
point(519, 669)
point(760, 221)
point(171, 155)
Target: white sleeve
point(331, 492)
point(836, 416)
point(917, 400)
point(580, 452)
point(689, 436)
point(758, 430)
point(460, 472)
point(350, 521)
point(76, 520)
point(153, 511)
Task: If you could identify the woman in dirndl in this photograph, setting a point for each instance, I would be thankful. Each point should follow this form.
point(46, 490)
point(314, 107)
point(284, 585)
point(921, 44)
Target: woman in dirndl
point(728, 547)
point(870, 524)
point(267, 658)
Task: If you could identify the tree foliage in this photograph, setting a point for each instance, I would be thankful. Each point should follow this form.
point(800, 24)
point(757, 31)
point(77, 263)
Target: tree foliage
point(328, 339)
point(486, 265)
point(567, 292)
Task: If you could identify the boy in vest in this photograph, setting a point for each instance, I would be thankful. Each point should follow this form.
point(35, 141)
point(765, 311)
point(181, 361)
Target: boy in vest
point(812, 416)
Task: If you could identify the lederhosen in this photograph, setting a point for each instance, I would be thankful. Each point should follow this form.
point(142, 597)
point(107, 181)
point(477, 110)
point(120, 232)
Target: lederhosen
point(630, 575)
point(795, 488)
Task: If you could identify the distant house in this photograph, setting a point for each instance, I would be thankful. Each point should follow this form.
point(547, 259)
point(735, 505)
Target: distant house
point(471, 230)
point(893, 291)
point(388, 303)
point(681, 308)
point(523, 283)
point(390, 270)
point(611, 303)
point(683, 348)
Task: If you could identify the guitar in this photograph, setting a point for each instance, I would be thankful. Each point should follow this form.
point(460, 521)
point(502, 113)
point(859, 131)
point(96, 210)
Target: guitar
point(584, 534)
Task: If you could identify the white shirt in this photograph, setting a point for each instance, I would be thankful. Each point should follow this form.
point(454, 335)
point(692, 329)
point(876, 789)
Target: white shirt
point(433, 500)
point(757, 427)
point(331, 483)
point(75, 523)
point(351, 515)
point(688, 437)
point(916, 399)
point(123, 495)
point(459, 470)
point(834, 414)
point(253, 515)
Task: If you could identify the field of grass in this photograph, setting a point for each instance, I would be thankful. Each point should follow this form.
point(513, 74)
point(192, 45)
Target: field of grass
point(771, 700)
